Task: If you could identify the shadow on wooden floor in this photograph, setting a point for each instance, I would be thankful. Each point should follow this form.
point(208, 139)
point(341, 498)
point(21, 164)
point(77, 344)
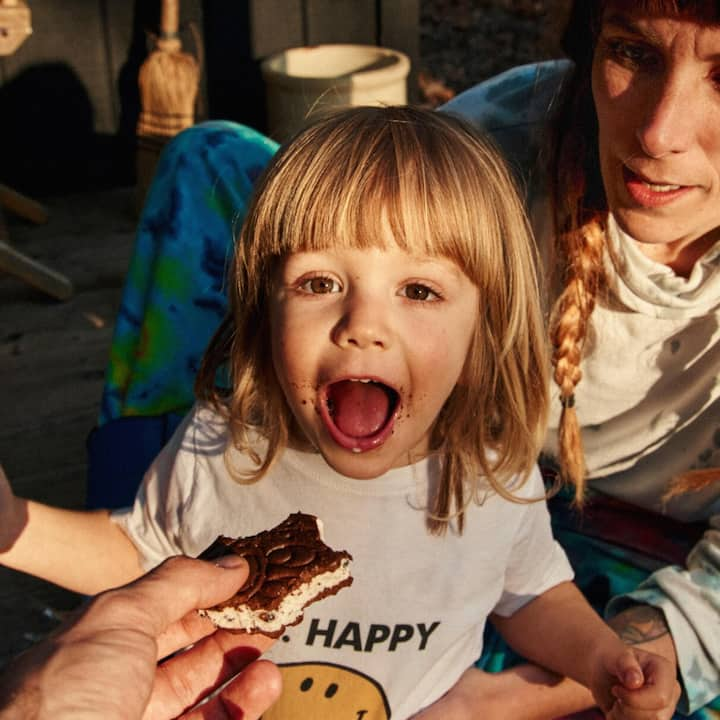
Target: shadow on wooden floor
point(52, 365)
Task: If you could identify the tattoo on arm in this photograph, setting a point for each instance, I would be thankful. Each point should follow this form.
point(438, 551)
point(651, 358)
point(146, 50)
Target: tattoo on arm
point(639, 624)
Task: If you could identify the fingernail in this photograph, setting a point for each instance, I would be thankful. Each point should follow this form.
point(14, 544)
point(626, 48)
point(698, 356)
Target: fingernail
point(230, 562)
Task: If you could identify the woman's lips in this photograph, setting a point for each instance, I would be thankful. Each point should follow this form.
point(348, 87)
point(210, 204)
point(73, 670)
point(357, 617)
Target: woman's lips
point(649, 194)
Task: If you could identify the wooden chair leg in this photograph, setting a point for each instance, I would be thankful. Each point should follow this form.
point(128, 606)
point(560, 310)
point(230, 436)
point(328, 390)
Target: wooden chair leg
point(22, 205)
point(32, 272)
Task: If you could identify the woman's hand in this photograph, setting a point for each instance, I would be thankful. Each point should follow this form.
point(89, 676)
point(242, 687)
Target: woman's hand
point(13, 514)
point(104, 664)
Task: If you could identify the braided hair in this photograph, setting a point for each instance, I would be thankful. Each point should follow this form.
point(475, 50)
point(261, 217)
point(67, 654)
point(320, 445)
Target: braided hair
point(580, 213)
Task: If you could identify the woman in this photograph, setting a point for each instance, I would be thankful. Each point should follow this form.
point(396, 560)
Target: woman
point(631, 232)
point(632, 201)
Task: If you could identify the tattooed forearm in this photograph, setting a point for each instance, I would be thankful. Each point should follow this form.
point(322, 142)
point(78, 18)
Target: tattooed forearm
point(639, 624)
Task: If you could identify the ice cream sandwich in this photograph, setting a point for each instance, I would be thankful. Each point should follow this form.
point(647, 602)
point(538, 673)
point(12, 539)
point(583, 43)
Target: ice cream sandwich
point(290, 568)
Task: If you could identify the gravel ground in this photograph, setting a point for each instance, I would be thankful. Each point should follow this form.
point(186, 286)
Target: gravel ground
point(465, 41)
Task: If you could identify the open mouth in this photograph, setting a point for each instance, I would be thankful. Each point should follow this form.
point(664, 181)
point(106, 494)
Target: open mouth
point(359, 413)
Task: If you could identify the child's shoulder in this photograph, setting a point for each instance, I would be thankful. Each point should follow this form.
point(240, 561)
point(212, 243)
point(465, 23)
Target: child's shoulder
point(205, 432)
point(524, 486)
point(203, 424)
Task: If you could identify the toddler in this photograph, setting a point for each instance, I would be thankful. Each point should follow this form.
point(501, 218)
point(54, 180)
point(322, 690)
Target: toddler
point(382, 366)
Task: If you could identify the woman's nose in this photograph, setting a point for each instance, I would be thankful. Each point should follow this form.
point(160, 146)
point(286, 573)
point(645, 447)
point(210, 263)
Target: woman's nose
point(668, 124)
point(364, 324)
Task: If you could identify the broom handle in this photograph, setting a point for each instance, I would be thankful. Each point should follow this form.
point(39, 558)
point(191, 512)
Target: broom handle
point(169, 20)
point(169, 25)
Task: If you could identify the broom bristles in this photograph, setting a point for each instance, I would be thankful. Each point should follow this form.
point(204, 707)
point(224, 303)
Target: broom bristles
point(168, 89)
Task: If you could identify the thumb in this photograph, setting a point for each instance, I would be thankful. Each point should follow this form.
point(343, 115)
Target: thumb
point(179, 585)
point(628, 670)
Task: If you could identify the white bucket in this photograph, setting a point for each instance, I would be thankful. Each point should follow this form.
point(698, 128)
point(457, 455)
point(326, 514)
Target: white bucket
point(302, 80)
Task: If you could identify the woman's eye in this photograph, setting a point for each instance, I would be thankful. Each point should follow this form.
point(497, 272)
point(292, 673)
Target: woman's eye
point(418, 291)
point(633, 54)
point(320, 285)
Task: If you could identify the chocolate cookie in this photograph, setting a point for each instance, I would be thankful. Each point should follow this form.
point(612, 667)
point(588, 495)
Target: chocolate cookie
point(290, 567)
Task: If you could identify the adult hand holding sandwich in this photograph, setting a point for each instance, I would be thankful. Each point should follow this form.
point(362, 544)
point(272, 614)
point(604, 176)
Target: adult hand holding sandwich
point(104, 664)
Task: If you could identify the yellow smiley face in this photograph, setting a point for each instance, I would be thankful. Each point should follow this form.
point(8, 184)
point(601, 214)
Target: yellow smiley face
point(323, 691)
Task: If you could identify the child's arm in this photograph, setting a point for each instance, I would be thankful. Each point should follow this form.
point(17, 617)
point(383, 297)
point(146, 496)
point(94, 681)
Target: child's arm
point(523, 691)
point(82, 551)
point(560, 631)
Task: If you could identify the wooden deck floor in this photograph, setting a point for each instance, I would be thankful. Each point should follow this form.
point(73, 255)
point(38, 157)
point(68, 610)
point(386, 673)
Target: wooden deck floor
point(52, 361)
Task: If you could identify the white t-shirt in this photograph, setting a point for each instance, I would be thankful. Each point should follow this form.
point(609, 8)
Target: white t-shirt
point(648, 400)
point(412, 621)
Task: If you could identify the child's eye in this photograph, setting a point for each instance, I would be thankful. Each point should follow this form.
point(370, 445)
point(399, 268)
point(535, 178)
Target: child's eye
point(418, 291)
point(319, 285)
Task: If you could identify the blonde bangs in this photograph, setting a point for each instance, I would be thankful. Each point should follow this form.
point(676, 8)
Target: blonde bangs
point(345, 181)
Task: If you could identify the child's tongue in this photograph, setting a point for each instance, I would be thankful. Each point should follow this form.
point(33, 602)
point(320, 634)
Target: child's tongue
point(359, 409)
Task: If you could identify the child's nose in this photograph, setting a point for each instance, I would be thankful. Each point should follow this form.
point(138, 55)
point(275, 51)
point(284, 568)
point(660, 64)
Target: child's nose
point(364, 324)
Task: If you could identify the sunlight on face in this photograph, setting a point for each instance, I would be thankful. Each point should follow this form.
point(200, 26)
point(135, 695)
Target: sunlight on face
point(367, 346)
point(656, 86)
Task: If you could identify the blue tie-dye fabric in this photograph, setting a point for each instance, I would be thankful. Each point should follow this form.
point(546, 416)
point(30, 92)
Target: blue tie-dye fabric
point(175, 295)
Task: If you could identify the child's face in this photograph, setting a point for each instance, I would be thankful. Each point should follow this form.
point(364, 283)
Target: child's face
point(341, 318)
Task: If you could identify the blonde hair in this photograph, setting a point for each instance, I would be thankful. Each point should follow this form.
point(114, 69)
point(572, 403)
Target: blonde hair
point(580, 210)
point(444, 192)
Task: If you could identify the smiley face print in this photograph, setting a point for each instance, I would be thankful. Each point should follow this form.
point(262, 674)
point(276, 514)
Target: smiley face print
point(323, 691)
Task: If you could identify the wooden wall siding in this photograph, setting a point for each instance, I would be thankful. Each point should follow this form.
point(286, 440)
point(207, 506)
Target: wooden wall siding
point(400, 29)
point(73, 82)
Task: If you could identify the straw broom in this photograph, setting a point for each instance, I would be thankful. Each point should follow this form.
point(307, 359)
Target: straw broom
point(168, 80)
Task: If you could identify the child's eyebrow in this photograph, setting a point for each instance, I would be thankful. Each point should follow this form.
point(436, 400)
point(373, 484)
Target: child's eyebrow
point(442, 262)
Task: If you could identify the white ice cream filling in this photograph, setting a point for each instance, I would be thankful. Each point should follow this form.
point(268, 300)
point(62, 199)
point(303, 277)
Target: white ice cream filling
point(242, 617)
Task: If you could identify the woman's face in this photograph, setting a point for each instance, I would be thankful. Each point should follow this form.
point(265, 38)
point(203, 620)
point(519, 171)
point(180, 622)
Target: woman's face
point(656, 86)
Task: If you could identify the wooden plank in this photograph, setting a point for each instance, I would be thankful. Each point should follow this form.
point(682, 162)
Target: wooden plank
point(22, 205)
point(30, 608)
point(191, 29)
point(70, 245)
point(340, 21)
point(275, 25)
point(65, 51)
point(57, 475)
point(52, 362)
point(235, 90)
point(34, 273)
point(123, 56)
